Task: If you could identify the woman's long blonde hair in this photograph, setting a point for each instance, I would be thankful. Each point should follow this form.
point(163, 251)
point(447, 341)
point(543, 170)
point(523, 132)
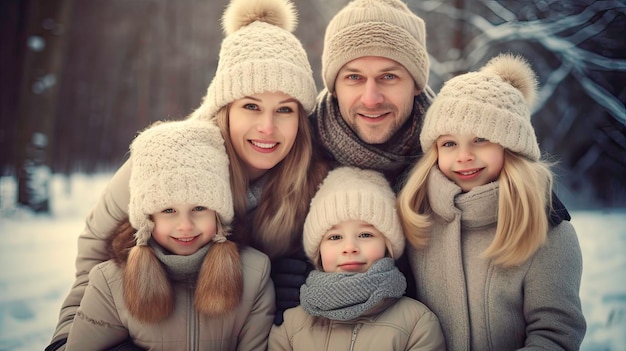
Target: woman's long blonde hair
point(524, 198)
point(276, 226)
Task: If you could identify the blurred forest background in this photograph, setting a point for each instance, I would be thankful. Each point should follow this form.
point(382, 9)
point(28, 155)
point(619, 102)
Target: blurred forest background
point(81, 77)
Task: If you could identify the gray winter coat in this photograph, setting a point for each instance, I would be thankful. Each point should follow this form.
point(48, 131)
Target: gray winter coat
point(535, 305)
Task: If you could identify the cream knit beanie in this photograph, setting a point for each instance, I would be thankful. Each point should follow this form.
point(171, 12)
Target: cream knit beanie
point(493, 103)
point(178, 162)
point(259, 54)
point(350, 193)
point(385, 28)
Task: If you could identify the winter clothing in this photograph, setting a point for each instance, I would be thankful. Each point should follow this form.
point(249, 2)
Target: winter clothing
point(324, 294)
point(350, 193)
point(259, 54)
point(178, 162)
point(343, 145)
point(493, 103)
point(361, 311)
point(104, 316)
point(535, 304)
point(385, 28)
point(405, 325)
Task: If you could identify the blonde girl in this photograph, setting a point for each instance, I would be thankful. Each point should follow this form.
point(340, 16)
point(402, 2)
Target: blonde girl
point(475, 211)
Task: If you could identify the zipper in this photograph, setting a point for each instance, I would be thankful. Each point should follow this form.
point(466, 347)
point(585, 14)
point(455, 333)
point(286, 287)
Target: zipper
point(192, 331)
point(355, 331)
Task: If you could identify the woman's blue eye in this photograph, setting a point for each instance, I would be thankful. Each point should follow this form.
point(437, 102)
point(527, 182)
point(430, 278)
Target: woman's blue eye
point(168, 210)
point(285, 110)
point(251, 107)
point(199, 208)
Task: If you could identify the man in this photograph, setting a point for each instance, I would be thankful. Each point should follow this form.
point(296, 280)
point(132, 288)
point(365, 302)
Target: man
point(375, 70)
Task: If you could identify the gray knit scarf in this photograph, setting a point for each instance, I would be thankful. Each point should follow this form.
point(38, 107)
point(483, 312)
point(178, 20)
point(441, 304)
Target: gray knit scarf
point(347, 148)
point(346, 296)
point(180, 268)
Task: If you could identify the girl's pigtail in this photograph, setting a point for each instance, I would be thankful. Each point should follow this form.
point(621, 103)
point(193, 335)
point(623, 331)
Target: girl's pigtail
point(220, 281)
point(147, 291)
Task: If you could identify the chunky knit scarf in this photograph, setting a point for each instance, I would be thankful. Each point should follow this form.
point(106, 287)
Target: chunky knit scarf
point(348, 149)
point(346, 296)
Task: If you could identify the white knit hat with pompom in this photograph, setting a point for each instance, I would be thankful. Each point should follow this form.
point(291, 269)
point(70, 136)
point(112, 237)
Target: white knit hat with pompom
point(259, 54)
point(493, 103)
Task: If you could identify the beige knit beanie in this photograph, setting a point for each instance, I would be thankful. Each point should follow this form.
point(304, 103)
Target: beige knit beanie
point(178, 162)
point(385, 28)
point(259, 54)
point(493, 103)
point(350, 193)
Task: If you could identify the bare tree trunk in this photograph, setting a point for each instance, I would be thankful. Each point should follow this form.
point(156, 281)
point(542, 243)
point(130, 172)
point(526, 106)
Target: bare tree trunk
point(36, 117)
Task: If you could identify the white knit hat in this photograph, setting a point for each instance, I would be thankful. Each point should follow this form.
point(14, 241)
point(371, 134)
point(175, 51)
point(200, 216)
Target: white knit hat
point(178, 162)
point(385, 28)
point(350, 193)
point(493, 103)
point(259, 54)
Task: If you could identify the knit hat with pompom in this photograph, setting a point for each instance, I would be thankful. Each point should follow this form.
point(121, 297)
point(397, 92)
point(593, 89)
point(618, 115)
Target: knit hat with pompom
point(259, 54)
point(350, 193)
point(494, 103)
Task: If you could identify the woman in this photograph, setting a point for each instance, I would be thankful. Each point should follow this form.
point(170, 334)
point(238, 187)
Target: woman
point(260, 97)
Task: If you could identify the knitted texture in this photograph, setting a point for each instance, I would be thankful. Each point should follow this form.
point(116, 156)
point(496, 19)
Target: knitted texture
point(385, 28)
point(339, 140)
point(350, 193)
point(259, 54)
point(178, 162)
point(493, 103)
point(346, 296)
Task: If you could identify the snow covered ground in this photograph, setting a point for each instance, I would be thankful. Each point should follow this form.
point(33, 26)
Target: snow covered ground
point(37, 260)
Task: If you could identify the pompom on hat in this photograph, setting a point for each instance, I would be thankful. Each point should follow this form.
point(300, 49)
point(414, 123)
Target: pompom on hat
point(350, 193)
point(259, 54)
point(494, 103)
point(385, 28)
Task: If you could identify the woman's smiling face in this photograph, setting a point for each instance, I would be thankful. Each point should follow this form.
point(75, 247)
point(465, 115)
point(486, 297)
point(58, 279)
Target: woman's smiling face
point(263, 129)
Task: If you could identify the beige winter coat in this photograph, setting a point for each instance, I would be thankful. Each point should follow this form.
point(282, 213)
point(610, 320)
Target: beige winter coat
point(405, 325)
point(104, 317)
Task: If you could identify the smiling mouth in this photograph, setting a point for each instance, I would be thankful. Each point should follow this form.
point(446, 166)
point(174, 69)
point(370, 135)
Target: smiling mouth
point(263, 145)
point(373, 116)
point(468, 173)
point(186, 240)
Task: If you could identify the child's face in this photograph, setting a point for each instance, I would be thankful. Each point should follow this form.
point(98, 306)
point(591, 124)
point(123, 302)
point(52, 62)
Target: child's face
point(351, 246)
point(184, 228)
point(469, 161)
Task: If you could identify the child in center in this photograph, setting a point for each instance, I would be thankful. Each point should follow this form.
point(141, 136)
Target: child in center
point(475, 211)
point(183, 285)
point(353, 300)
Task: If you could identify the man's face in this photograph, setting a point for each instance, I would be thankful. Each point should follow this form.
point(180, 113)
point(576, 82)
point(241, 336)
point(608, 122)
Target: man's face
point(375, 96)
